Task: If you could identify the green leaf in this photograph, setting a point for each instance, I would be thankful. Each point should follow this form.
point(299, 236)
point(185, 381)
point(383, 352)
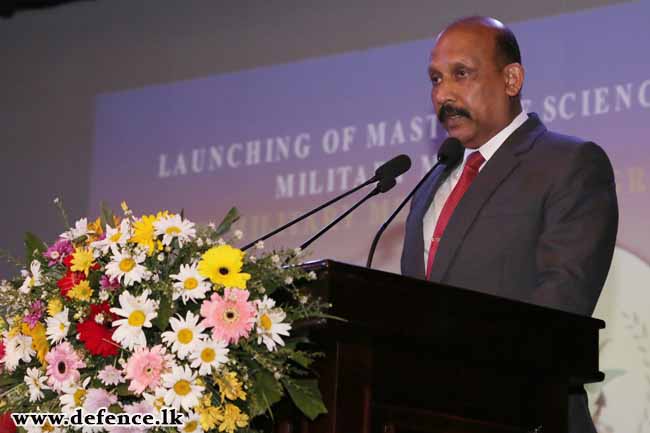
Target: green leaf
point(306, 396)
point(164, 312)
point(115, 408)
point(107, 214)
point(266, 391)
point(32, 243)
point(93, 280)
point(4, 381)
point(301, 359)
point(123, 390)
point(229, 219)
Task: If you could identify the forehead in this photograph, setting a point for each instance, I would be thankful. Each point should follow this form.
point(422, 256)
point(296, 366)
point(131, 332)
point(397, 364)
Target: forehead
point(471, 45)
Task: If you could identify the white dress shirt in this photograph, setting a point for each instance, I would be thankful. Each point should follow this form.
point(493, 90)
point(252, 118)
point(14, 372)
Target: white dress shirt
point(487, 150)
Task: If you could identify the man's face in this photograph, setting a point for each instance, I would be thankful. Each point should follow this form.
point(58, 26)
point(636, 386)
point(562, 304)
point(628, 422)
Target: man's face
point(468, 88)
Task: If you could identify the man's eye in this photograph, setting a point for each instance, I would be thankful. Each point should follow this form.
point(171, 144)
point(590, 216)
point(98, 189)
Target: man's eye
point(462, 73)
point(435, 80)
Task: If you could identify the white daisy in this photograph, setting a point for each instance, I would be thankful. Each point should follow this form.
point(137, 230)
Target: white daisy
point(35, 380)
point(74, 395)
point(269, 324)
point(182, 391)
point(17, 348)
point(115, 236)
point(80, 229)
point(33, 278)
point(185, 334)
point(174, 226)
point(138, 312)
point(192, 424)
point(189, 284)
point(127, 267)
point(110, 375)
point(155, 400)
point(58, 326)
point(209, 354)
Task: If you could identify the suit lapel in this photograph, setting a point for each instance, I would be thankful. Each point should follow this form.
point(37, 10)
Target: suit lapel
point(495, 172)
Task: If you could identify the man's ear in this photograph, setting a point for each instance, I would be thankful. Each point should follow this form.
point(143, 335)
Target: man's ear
point(513, 75)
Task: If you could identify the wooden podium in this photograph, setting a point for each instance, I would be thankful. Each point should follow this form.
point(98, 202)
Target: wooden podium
point(415, 356)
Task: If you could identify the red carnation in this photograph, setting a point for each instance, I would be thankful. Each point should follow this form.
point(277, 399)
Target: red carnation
point(7, 423)
point(96, 336)
point(69, 280)
point(67, 261)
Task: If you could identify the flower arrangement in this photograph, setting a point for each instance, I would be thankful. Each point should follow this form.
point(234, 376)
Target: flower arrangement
point(138, 313)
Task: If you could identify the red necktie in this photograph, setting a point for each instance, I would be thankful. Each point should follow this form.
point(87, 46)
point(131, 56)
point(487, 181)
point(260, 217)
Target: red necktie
point(470, 171)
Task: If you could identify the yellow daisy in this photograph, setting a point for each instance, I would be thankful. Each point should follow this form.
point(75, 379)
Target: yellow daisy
point(222, 265)
point(39, 340)
point(209, 415)
point(95, 230)
point(144, 232)
point(82, 260)
point(232, 419)
point(54, 306)
point(230, 387)
point(81, 291)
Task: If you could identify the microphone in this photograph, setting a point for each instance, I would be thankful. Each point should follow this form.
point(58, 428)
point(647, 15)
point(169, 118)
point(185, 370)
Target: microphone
point(393, 168)
point(389, 170)
point(450, 153)
point(384, 185)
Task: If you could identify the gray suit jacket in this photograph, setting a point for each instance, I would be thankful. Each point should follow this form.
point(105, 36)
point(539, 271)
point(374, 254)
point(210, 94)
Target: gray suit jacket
point(538, 225)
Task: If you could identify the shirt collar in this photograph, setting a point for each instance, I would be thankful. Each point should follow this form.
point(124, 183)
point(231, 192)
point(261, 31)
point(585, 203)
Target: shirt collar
point(493, 144)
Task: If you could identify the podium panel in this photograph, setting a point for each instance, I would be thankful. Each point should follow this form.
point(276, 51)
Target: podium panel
point(418, 357)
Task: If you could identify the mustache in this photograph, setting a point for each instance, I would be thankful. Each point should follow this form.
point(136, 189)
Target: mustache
point(449, 110)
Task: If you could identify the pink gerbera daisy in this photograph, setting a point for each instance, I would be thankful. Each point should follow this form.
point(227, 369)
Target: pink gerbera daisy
point(63, 365)
point(145, 367)
point(230, 317)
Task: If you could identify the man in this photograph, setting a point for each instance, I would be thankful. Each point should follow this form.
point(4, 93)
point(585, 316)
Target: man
point(529, 214)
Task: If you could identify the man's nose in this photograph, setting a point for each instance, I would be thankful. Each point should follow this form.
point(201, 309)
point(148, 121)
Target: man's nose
point(443, 93)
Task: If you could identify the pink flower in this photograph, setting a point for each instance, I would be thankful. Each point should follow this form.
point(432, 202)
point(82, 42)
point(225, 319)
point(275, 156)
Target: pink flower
point(97, 398)
point(138, 407)
point(63, 365)
point(35, 313)
point(57, 252)
point(106, 283)
point(230, 317)
point(110, 375)
point(145, 367)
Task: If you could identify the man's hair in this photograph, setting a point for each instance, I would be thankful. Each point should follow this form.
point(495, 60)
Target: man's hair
point(506, 47)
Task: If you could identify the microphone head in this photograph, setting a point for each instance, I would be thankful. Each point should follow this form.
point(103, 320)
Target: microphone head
point(451, 151)
point(393, 168)
point(386, 184)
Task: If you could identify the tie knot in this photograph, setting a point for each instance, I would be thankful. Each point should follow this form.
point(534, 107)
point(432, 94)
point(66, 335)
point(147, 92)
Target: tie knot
point(475, 160)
